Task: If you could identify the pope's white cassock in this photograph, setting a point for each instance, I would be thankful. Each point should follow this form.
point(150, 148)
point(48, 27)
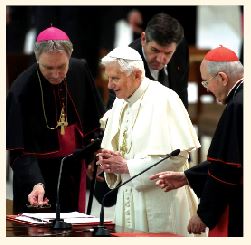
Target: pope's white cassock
point(156, 123)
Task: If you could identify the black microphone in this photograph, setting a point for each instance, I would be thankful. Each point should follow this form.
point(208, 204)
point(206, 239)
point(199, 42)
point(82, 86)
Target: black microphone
point(59, 223)
point(100, 230)
point(90, 148)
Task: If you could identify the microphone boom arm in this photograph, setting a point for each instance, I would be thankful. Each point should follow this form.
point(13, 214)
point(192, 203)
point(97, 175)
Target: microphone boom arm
point(100, 230)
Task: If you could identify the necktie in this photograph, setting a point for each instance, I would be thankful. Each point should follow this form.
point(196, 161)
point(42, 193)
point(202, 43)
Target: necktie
point(163, 77)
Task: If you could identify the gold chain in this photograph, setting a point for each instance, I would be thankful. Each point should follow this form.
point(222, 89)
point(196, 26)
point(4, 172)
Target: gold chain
point(124, 149)
point(63, 116)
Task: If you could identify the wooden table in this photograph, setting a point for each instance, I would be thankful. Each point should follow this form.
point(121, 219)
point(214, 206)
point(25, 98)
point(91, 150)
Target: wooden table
point(15, 229)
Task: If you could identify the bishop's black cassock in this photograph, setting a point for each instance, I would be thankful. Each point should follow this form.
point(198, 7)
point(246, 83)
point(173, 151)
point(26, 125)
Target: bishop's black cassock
point(218, 182)
point(35, 150)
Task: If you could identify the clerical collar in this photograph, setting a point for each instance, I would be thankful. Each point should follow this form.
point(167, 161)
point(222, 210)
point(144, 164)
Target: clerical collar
point(154, 73)
point(234, 89)
point(139, 92)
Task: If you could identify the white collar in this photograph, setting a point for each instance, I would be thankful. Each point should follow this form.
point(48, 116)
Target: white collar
point(139, 91)
point(239, 82)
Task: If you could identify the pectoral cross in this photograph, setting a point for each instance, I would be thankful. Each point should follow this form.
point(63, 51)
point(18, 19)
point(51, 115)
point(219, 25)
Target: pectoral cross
point(62, 122)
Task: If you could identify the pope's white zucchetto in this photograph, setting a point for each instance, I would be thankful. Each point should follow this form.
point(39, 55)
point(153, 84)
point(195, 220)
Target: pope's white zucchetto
point(125, 53)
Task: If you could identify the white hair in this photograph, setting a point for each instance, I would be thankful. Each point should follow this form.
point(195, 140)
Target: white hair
point(127, 66)
point(127, 58)
point(234, 69)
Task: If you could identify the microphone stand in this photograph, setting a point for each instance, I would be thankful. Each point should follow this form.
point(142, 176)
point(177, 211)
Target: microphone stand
point(59, 223)
point(92, 188)
point(100, 230)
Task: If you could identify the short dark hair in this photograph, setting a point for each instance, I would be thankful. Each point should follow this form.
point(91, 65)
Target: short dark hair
point(164, 29)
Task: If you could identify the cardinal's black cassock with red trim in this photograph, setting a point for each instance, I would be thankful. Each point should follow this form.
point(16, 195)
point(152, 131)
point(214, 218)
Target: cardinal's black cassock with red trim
point(35, 150)
point(219, 182)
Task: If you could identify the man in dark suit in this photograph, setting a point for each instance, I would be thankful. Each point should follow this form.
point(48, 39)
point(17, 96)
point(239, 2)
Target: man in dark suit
point(165, 55)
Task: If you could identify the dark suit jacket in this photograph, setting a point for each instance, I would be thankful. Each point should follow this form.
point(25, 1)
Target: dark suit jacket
point(177, 69)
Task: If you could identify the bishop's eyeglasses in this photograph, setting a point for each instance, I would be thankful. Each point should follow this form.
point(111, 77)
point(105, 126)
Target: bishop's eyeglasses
point(204, 83)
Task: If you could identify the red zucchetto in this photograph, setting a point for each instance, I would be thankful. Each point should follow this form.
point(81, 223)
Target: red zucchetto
point(221, 54)
point(52, 33)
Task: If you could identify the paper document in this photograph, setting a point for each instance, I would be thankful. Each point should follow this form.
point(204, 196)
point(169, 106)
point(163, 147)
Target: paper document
point(73, 218)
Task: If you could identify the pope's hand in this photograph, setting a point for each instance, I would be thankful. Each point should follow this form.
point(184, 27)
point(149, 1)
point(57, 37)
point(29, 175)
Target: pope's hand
point(112, 162)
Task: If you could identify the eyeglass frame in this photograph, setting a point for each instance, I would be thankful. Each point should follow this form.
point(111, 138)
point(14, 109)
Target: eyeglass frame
point(38, 206)
point(205, 83)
